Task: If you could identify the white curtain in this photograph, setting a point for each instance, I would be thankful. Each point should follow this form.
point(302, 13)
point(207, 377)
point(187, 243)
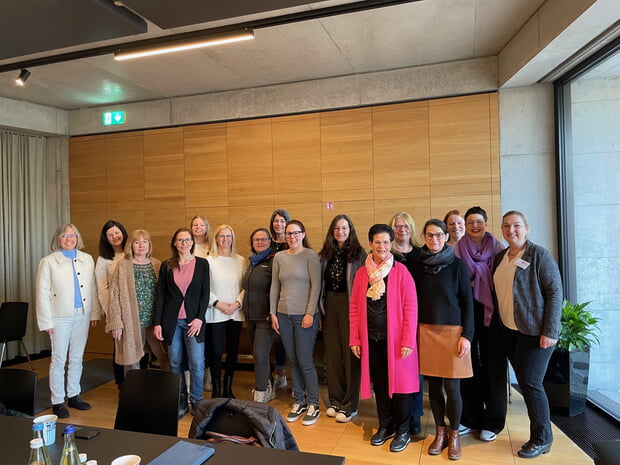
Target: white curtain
point(25, 173)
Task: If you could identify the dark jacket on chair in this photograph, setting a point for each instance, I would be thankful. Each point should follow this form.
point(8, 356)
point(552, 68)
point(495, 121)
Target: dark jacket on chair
point(269, 427)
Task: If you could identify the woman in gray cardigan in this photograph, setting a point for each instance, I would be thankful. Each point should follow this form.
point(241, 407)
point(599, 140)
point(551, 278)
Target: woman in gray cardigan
point(528, 288)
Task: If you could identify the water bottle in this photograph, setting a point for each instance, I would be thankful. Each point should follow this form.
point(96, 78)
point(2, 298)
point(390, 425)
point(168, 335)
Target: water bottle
point(36, 453)
point(70, 454)
point(37, 432)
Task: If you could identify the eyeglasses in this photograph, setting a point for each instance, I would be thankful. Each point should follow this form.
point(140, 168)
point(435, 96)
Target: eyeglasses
point(293, 233)
point(430, 236)
point(186, 241)
point(402, 226)
point(475, 222)
point(68, 236)
point(260, 239)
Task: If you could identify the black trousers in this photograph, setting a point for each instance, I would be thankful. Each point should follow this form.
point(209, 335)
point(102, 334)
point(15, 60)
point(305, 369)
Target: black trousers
point(223, 335)
point(530, 362)
point(449, 405)
point(393, 412)
point(485, 396)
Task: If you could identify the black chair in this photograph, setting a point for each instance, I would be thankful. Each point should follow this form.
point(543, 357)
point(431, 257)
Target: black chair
point(13, 321)
point(18, 390)
point(149, 402)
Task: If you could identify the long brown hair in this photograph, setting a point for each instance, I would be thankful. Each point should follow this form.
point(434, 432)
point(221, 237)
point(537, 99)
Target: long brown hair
point(352, 246)
point(173, 262)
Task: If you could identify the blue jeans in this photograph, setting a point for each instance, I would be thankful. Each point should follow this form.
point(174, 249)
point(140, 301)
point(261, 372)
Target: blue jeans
point(182, 344)
point(299, 345)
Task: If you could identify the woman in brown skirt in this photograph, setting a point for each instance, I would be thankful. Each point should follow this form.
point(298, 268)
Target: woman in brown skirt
point(446, 327)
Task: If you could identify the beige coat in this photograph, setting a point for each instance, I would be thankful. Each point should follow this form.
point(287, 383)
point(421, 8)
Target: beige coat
point(123, 312)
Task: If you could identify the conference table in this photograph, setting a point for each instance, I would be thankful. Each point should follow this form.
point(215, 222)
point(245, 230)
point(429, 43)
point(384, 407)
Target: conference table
point(16, 432)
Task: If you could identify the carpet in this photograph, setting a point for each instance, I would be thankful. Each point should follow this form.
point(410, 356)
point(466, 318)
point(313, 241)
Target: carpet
point(95, 373)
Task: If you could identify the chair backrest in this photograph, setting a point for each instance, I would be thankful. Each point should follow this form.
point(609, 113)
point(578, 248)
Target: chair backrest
point(13, 320)
point(149, 402)
point(18, 389)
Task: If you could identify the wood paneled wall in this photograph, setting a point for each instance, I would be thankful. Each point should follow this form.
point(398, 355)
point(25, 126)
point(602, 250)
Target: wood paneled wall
point(422, 157)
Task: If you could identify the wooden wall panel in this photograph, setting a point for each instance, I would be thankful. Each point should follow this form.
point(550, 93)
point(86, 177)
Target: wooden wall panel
point(296, 159)
point(87, 174)
point(362, 214)
point(346, 155)
point(164, 169)
point(250, 171)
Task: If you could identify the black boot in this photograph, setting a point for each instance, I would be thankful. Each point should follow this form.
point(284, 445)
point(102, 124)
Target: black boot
point(216, 386)
point(182, 405)
point(228, 387)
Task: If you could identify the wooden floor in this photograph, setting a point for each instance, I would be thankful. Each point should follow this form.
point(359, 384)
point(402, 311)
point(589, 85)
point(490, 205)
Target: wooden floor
point(352, 439)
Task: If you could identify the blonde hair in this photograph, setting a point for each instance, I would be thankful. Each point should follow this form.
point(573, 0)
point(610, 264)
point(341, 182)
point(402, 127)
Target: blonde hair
point(134, 237)
point(208, 236)
point(415, 239)
point(233, 248)
point(55, 244)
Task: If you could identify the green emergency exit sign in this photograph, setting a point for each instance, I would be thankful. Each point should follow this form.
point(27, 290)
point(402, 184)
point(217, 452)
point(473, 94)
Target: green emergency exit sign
point(111, 118)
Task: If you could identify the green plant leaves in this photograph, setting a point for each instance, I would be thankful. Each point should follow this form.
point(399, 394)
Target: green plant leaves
point(579, 328)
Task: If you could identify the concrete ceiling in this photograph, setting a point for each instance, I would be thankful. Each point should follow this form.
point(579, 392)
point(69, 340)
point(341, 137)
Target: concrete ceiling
point(403, 35)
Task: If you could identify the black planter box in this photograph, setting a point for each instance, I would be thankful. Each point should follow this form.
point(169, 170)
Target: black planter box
point(566, 381)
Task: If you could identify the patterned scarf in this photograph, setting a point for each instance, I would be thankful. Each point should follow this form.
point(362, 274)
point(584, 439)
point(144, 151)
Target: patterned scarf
point(435, 262)
point(376, 273)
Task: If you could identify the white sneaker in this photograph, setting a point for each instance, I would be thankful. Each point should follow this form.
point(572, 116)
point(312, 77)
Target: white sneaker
point(332, 411)
point(279, 382)
point(296, 411)
point(463, 430)
point(344, 417)
point(312, 415)
point(488, 436)
point(263, 396)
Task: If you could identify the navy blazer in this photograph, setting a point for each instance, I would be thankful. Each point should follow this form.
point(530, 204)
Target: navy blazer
point(169, 299)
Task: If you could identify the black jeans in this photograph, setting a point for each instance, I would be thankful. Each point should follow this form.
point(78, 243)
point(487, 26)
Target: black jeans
point(393, 412)
point(225, 333)
point(530, 362)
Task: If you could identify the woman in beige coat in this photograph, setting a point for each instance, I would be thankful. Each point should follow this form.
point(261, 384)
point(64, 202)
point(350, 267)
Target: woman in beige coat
point(132, 300)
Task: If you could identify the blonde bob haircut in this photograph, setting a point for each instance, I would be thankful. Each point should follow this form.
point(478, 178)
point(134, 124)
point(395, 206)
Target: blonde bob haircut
point(55, 244)
point(233, 247)
point(133, 237)
point(415, 238)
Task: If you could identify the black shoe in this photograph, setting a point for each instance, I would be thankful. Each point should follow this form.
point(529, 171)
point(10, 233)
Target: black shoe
point(77, 403)
point(60, 410)
point(182, 409)
point(382, 435)
point(415, 426)
point(533, 450)
point(400, 442)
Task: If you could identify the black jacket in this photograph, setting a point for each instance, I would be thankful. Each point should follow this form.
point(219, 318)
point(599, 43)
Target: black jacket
point(169, 299)
point(257, 283)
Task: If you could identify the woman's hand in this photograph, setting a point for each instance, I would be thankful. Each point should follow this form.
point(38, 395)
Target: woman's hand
point(93, 323)
point(157, 333)
point(116, 334)
point(194, 327)
point(463, 346)
point(357, 351)
point(405, 351)
point(50, 331)
point(307, 321)
point(546, 342)
point(275, 325)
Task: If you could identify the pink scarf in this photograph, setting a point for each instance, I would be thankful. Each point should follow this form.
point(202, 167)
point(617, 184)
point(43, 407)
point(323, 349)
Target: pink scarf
point(376, 273)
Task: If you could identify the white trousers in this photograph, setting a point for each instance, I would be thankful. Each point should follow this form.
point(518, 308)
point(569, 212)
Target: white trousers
point(68, 341)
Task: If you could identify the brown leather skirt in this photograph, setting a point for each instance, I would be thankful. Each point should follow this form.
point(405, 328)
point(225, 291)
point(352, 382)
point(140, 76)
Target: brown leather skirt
point(438, 352)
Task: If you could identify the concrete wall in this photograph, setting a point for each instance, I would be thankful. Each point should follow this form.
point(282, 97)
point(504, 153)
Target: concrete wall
point(596, 166)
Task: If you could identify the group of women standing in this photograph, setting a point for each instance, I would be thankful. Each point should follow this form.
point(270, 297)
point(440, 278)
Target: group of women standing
point(451, 308)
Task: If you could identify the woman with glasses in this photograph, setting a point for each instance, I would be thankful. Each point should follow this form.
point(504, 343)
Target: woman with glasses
point(182, 298)
point(224, 315)
point(383, 327)
point(484, 395)
point(132, 302)
point(256, 285)
point(456, 226)
point(112, 242)
point(67, 305)
point(294, 296)
point(446, 328)
point(341, 257)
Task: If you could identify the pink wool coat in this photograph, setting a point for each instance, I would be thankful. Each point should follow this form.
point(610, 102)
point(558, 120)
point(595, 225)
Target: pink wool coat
point(402, 322)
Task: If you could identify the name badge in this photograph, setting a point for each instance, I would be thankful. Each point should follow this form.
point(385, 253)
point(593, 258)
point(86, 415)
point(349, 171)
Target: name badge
point(522, 263)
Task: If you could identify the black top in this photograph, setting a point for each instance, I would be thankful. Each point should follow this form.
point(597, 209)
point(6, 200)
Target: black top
point(335, 276)
point(257, 284)
point(377, 316)
point(445, 298)
point(408, 259)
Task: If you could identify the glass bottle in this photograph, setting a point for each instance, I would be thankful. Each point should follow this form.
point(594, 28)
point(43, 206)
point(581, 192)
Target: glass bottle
point(37, 432)
point(36, 453)
point(70, 454)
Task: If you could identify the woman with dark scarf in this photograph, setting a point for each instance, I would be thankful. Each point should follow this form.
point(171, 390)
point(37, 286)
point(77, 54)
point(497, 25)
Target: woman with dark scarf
point(484, 395)
point(446, 328)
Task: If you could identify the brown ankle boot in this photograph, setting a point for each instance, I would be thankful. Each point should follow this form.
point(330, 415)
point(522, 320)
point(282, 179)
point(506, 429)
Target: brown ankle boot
point(440, 442)
point(454, 445)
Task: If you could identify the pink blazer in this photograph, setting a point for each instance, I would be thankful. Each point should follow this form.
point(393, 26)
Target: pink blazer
point(402, 322)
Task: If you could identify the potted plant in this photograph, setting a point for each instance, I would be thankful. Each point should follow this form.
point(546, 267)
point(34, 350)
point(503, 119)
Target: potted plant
point(566, 380)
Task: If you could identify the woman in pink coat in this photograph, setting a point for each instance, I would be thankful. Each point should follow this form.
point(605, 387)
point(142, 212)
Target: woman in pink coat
point(383, 318)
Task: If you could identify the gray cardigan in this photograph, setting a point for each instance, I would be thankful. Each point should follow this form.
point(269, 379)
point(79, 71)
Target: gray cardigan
point(537, 292)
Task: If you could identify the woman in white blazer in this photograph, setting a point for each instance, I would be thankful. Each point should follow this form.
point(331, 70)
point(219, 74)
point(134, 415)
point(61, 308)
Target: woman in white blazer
point(67, 305)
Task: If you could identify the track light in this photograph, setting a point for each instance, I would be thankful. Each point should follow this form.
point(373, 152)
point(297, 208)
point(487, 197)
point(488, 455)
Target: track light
point(24, 74)
point(187, 44)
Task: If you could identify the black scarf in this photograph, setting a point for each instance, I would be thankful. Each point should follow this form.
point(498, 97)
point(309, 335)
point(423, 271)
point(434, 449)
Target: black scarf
point(435, 262)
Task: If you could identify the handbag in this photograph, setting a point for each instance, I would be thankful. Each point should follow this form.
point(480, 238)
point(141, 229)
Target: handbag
point(231, 439)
